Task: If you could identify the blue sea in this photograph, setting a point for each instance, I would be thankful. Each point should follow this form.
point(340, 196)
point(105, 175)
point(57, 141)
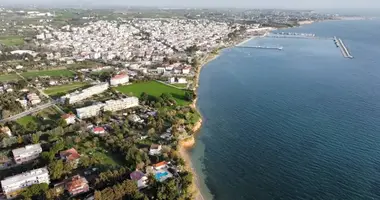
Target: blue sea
point(298, 124)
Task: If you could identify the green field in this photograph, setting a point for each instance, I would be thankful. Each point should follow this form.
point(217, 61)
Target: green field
point(26, 120)
point(8, 77)
point(63, 88)
point(155, 89)
point(52, 73)
point(11, 40)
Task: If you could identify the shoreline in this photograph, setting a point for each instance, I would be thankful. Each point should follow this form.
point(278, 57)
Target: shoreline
point(184, 146)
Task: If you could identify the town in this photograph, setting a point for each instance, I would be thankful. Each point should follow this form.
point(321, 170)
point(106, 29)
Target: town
point(98, 105)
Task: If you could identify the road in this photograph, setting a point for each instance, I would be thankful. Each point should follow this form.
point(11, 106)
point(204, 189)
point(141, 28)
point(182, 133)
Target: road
point(28, 112)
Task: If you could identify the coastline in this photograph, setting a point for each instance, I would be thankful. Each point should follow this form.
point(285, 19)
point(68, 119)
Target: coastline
point(186, 144)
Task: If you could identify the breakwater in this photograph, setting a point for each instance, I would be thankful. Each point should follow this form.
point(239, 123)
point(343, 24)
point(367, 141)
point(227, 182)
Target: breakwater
point(261, 47)
point(339, 43)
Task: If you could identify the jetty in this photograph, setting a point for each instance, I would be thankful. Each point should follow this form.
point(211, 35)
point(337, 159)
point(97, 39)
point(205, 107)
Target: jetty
point(339, 43)
point(260, 47)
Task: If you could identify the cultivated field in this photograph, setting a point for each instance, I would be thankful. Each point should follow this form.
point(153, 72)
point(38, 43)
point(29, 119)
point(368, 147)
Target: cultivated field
point(52, 73)
point(8, 77)
point(63, 89)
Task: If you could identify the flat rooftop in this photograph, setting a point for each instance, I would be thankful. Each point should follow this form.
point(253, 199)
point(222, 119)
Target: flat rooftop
point(26, 175)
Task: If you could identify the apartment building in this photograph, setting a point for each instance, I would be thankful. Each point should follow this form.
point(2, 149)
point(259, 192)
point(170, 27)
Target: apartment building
point(121, 104)
point(86, 93)
point(13, 184)
point(27, 153)
point(90, 111)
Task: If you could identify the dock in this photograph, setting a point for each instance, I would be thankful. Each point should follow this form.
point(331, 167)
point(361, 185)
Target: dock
point(339, 43)
point(261, 47)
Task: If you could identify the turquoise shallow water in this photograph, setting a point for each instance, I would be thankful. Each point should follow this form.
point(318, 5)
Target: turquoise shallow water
point(302, 123)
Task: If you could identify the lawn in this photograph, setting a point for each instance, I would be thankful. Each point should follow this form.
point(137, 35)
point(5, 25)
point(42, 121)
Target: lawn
point(155, 89)
point(8, 77)
point(23, 121)
point(52, 73)
point(63, 88)
point(11, 40)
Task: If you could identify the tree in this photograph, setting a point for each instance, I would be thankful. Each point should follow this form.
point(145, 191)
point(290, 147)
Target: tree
point(20, 139)
point(31, 126)
point(144, 97)
point(56, 169)
point(35, 139)
point(62, 122)
point(21, 84)
point(189, 95)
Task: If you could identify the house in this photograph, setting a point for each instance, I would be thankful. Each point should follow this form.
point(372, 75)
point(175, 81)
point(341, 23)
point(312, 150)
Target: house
point(135, 118)
point(160, 165)
point(70, 155)
point(69, 118)
point(177, 80)
point(140, 178)
point(77, 185)
point(155, 149)
point(27, 153)
point(33, 98)
point(98, 130)
point(6, 130)
point(14, 184)
point(119, 79)
point(19, 67)
point(186, 70)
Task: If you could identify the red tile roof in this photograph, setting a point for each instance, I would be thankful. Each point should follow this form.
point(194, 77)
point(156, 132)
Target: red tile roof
point(160, 164)
point(119, 76)
point(75, 183)
point(98, 129)
point(66, 116)
point(70, 154)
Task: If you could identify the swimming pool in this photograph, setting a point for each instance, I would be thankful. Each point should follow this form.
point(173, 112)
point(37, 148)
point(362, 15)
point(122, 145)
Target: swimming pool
point(159, 175)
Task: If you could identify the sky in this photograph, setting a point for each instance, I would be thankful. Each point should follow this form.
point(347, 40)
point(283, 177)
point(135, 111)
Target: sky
point(279, 4)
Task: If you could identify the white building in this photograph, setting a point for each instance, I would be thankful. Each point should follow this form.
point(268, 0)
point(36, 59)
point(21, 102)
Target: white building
point(69, 118)
point(155, 149)
point(177, 80)
point(27, 153)
point(33, 98)
point(86, 93)
point(89, 111)
point(121, 104)
point(119, 79)
point(11, 185)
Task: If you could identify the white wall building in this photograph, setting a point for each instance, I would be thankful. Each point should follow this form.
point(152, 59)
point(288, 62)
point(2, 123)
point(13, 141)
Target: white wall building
point(86, 93)
point(27, 153)
point(177, 80)
point(119, 79)
point(89, 111)
point(121, 104)
point(11, 185)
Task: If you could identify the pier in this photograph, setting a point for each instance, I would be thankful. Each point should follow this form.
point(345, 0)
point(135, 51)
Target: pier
point(260, 47)
point(339, 43)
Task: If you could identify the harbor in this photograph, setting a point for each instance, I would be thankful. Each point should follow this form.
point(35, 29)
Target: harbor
point(339, 43)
